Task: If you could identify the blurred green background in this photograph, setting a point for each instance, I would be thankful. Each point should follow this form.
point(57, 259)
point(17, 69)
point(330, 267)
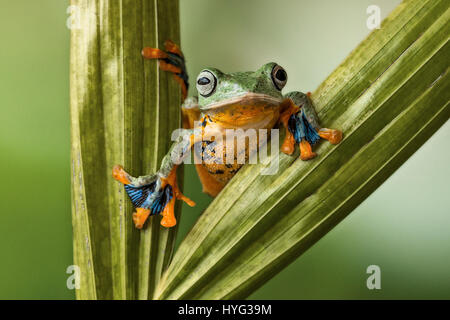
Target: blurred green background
point(404, 227)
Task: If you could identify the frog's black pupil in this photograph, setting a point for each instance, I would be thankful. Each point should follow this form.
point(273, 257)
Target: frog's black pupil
point(281, 75)
point(203, 81)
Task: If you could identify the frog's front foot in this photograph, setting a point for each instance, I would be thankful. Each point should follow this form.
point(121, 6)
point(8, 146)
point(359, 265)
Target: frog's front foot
point(172, 60)
point(152, 195)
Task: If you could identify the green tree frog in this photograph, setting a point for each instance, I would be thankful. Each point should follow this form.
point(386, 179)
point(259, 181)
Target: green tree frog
point(240, 100)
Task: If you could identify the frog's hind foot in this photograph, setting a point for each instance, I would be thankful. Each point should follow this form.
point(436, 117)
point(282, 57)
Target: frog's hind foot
point(304, 134)
point(332, 135)
point(172, 60)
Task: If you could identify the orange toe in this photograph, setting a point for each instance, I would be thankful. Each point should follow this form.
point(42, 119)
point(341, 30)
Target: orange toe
point(332, 135)
point(308, 156)
point(172, 47)
point(120, 175)
point(188, 201)
point(140, 216)
point(288, 145)
point(165, 66)
point(168, 214)
point(153, 53)
point(306, 152)
point(336, 136)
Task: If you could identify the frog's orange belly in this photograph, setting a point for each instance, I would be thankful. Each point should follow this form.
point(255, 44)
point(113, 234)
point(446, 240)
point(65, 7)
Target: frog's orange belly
point(248, 113)
point(216, 162)
point(222, 173)
point(224, 156)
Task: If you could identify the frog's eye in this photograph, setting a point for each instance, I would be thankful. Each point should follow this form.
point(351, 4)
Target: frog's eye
point(206, 83)
point(279, 77)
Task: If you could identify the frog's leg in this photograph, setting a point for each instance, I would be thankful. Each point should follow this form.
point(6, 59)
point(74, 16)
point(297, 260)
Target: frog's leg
point(288, 109)
point(191, 113)
point(156, 193)
point(171, 59)
point(168, 213)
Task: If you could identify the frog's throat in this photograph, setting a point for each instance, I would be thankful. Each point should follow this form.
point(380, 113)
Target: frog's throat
point(246, 99)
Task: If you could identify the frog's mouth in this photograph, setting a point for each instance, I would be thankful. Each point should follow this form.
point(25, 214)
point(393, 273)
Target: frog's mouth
point(248, 99)
point(250, 110)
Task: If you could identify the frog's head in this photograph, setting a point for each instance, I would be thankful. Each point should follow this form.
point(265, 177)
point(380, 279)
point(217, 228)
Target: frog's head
point(217, 89)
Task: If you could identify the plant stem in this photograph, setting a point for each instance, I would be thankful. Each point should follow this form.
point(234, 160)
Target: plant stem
point(123, 111)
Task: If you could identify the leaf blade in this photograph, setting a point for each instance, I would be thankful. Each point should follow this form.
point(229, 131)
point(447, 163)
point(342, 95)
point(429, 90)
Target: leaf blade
point(123, 111)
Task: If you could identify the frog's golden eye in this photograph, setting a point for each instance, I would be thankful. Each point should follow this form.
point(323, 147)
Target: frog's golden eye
point(206, 83)
point(279, 77)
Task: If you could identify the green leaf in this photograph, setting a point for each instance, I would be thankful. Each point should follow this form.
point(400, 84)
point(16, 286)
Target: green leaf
point(123, 111)
point(389, 96)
